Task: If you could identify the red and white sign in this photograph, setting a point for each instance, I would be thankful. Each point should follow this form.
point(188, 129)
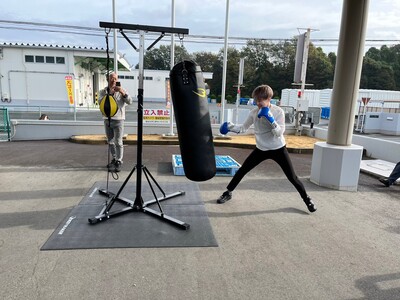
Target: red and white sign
point(156, 116)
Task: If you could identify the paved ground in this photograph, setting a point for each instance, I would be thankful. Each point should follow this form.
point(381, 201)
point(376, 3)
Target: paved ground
point(270, 247)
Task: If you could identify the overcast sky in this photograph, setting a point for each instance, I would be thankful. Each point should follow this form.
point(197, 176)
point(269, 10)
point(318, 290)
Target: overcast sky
point(249, 18)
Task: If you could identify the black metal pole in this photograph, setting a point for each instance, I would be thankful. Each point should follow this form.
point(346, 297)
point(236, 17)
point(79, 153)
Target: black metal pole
point(139, 200)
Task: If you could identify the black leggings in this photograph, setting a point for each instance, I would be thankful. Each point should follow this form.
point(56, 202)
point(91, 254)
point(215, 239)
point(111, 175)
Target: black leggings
point(280, 156)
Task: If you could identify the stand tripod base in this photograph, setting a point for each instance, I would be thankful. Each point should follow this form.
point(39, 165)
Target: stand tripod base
point(105, 214)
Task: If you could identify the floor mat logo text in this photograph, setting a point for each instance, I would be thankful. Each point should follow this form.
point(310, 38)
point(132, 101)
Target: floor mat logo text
point(66, 224)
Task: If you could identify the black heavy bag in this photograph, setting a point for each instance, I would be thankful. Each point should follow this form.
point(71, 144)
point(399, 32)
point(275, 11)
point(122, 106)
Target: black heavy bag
point(193, 121)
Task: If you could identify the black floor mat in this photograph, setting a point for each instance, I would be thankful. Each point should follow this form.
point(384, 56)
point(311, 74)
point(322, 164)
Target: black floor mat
point(135, 229)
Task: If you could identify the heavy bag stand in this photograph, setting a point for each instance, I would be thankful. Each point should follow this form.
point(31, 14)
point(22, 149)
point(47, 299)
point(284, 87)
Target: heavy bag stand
point(138, 205)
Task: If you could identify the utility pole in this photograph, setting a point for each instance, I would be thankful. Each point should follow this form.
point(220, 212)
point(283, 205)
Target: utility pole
point(303, 45)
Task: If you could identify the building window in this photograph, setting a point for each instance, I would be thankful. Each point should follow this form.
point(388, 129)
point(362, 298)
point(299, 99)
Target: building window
point(148, 78)
point(60, 60)
point(44, 59)
point(39, 59)
point(129, 77)
point(29, 58)
point(50, 60)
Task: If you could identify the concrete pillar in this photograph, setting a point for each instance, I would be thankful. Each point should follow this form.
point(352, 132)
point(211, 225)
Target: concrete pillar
point(338, 150)
point(348, 71)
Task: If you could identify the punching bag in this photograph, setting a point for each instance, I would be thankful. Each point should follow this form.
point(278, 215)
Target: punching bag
point(108, 106)
point(192, 121)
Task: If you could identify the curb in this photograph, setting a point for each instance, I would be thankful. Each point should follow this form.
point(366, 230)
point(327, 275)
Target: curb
point(159, 140)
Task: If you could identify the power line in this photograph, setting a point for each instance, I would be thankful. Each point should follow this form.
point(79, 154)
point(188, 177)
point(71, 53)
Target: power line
point(35, 24)
point(51, 30)
point(209, 39)
point(51, 25)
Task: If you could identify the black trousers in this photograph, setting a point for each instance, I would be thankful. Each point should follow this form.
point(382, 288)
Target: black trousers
point(280, 156)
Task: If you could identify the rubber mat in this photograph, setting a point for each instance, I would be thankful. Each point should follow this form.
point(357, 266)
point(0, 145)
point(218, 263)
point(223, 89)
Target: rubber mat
point(135, 229)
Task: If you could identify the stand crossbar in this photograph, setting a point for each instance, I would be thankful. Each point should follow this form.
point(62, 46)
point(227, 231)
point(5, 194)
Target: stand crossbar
point(138, 205)
point(146, 28)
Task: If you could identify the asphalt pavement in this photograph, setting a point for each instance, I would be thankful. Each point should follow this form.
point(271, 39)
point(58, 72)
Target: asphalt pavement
point(269, 245)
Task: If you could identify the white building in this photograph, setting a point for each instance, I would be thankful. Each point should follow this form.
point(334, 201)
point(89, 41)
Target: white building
point(41, 75)
point(36, 75)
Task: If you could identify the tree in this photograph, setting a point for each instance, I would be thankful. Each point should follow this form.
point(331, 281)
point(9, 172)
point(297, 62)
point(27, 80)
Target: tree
point(283, 56)
point(332, 58)
point(377, 75)
point(160, 58)
point(206, 60)
point(374, 54)
point(257, 67)
point(232, 72)
point(320, 70)
point(390, 56)
point(273, 64)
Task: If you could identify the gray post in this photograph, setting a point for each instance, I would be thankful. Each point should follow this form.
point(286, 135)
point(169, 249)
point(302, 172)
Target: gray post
point(115, 40)
point(224, 67)
point(172, 63)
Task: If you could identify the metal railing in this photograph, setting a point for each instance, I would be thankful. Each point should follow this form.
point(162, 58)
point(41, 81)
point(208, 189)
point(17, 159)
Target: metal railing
point(33, 112)
point(92, 113)
point(5, 128)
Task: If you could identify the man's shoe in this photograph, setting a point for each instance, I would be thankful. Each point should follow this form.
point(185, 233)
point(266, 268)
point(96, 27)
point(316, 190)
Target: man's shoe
point(111, 165)
point(310, 205)
point(118, 165)
point(226, 196)
point(385, 181)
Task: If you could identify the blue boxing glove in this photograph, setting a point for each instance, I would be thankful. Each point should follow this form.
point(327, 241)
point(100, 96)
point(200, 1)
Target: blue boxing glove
point(266, 113)
point(228, 126)
point(223, 129)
